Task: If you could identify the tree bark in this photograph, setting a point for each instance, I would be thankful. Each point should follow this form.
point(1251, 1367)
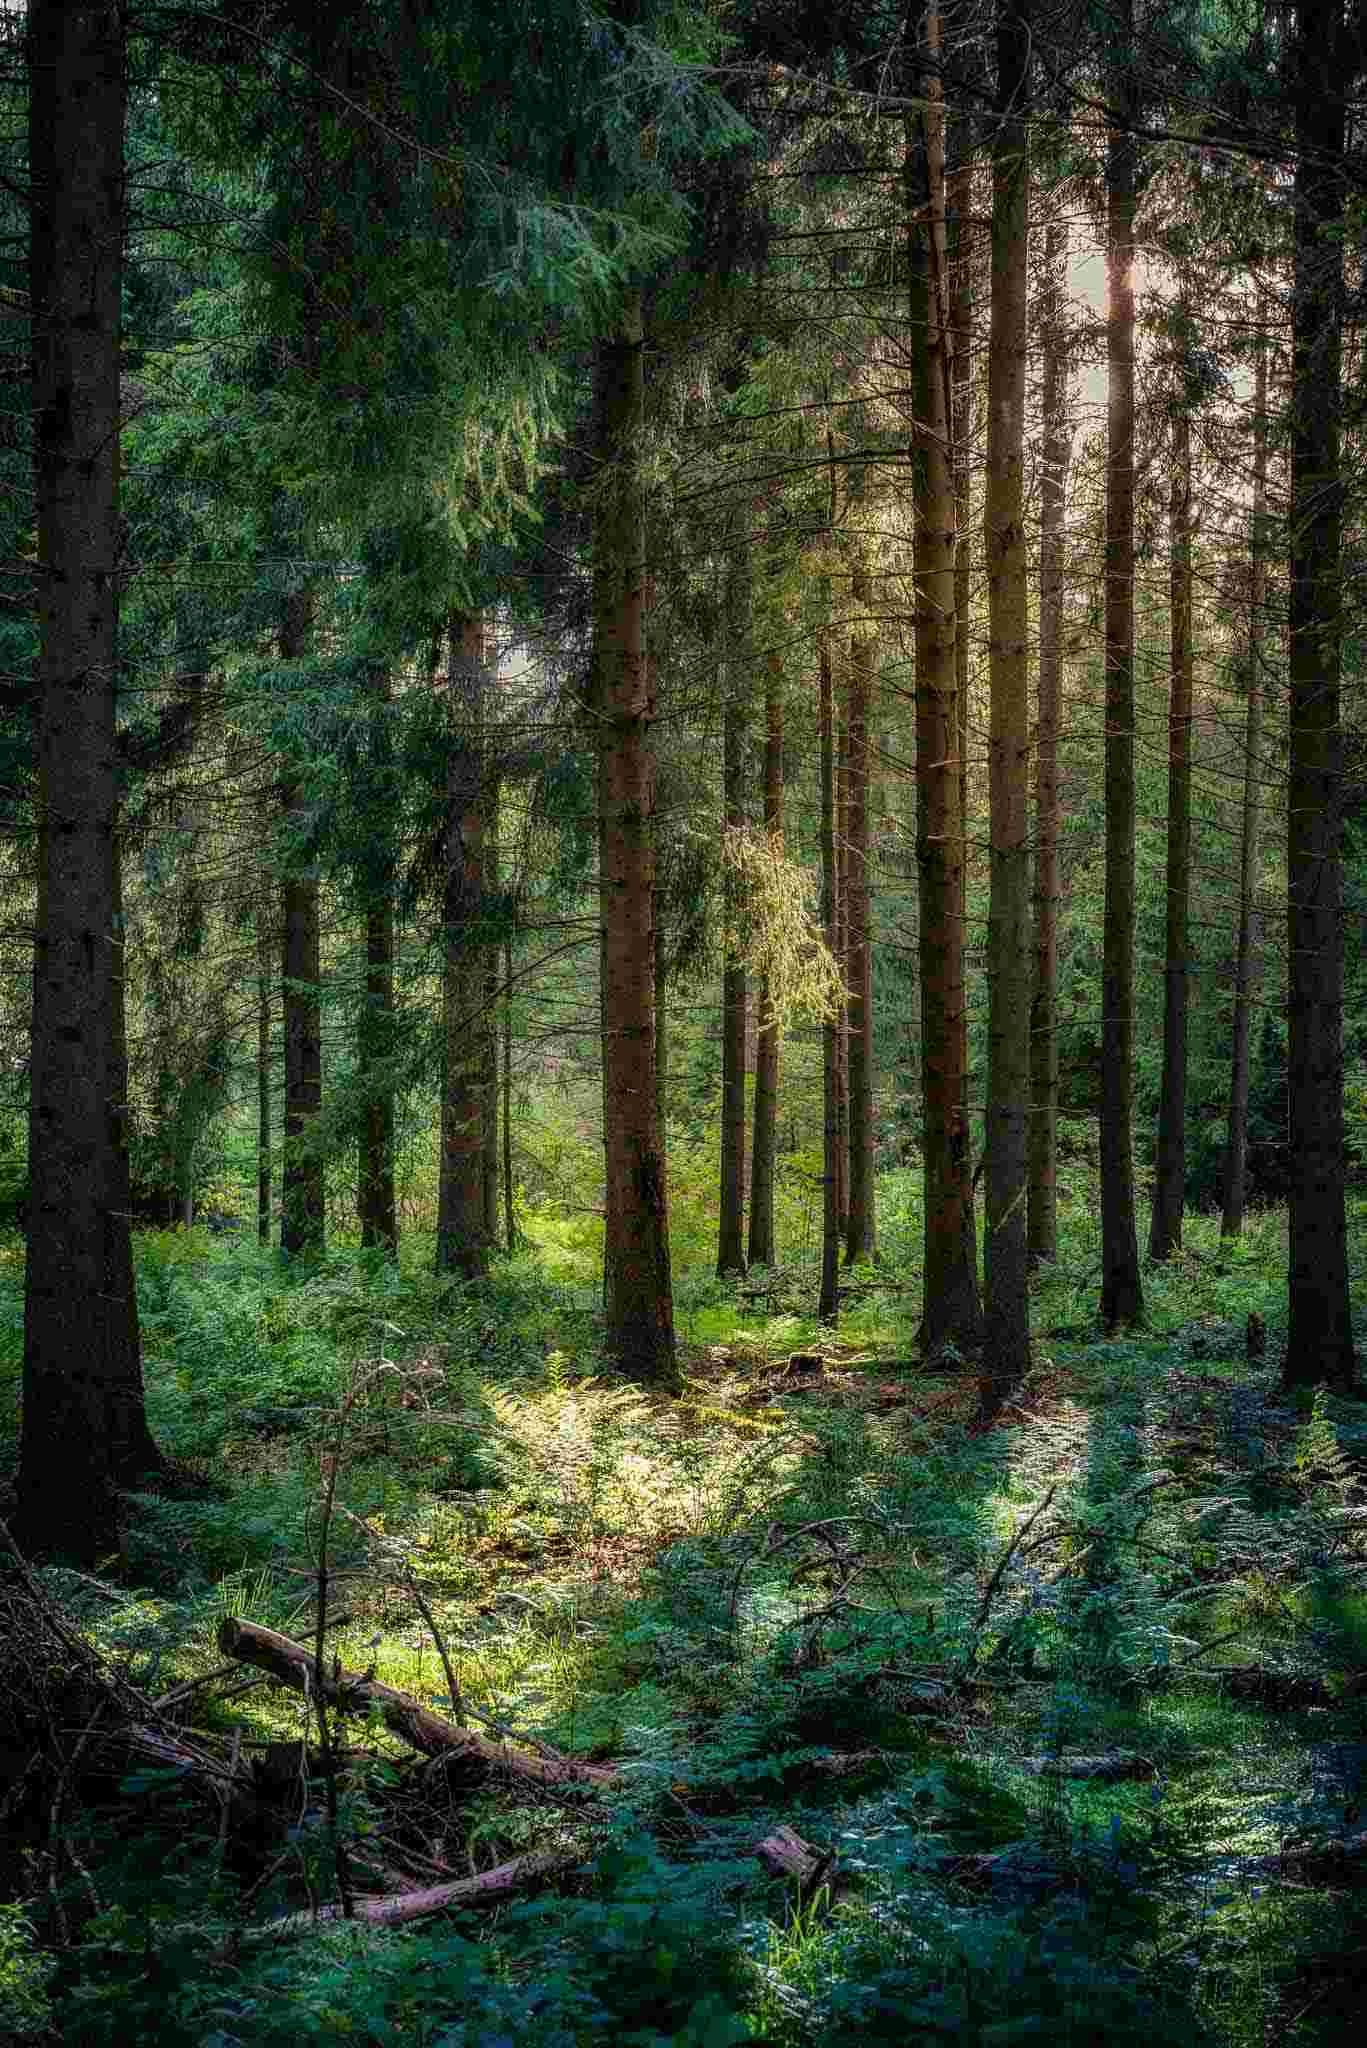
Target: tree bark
point(509, 1205)
point(302, 1203)
point(375, 1033)
point(266, 943)
point(489, 1018)
point(1006, 1267)
point(638, 1291)
point(84, 1430)
point(1122, 1300)
point(1042, 1204)
point(1247, 968)
point(1320, 1332)
point(828, 1304)
point(860, 1226)
point(951, 1290)
point(768, 1036)
point(735, 993)
point(462, 1242)
point(1170, 1174)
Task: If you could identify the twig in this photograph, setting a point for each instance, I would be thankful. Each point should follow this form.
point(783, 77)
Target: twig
point(455, 1699)
point(990, 1592)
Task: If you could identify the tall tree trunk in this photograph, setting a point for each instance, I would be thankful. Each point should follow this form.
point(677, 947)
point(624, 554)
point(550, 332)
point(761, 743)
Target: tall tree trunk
point(462, 1241)
point(638, 1290)
point(375, 1033)
point(1042, 1203)
point(828, 1304)
point(1247, 968)
point(959, 246)
point(489, 1018)
point(1320, 1332)
point(266, 943)
point(840, 950)
point(951, 1289)
point(84, 1428)
point(1122, 1300)
point(1170, 1175)
point(509, 1206)
point(859, 1228)
point(1005, 1259)
point(302, 1198)
point(769, 1034)
point(735, 994)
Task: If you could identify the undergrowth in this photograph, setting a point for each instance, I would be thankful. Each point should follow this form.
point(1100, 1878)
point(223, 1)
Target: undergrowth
point(1074, 1715)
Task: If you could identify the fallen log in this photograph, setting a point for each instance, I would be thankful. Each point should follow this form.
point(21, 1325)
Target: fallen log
point(1114, 1767)
point(785, 1854)
point(290, 1664)
point(489, 1888)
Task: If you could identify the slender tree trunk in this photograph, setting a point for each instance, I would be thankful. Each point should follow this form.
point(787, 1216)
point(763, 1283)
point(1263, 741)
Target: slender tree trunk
point(828, 1305)
point(959, 245)
point(489, 1020)
point(509, 1207)
point(840, 946)
point(1320, 1332)
point(1170, 1175)
point(768, 1037)
point(1006, 1264)
point(951, 1290)
point(637, 1284)
point(375, 1034)
point(1042, 1205)
point(859, 1229)
point(84, 1430)
point(302, 1204)
point(1122, 1300)
point(1247, 969)
point(462, 1241)
point(735, 994)
point(266, 942)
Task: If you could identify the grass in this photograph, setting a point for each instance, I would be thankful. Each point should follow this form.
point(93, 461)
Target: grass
point(725, 1591)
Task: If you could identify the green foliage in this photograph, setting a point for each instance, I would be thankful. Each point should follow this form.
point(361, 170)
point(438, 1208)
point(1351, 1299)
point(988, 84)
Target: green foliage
point(25, 1972)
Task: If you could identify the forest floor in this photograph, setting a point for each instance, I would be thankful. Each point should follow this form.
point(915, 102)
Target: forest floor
point(1066, 1724)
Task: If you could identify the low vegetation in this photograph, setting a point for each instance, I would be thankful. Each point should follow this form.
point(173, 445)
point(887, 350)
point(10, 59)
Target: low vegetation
point(1066, 1724)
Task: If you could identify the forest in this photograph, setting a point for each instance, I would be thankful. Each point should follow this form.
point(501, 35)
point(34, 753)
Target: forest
point(683, 1115)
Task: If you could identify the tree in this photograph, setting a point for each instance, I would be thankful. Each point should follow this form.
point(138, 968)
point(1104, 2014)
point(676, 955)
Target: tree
point(734, 1002)
point(1122, 1299)
point(769, 1030)
point(638, 1291)
point(1320, 1330)
point(1006, 1296)
point(1170, 1170)
point(85, 1433)
point(303, 1192)
point(859, 1227)
point(951, 1290)
point(462, 1229)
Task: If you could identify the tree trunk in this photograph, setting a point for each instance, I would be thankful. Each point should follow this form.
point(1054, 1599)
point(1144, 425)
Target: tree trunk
point(489, 1021)
point(840, 947)
point(266, 942)
point(859, 1228)
point(637, 1285)
point(959, 239)
point(734, 1001)
point(302, 1204)
point(509, 1207)
point(828, 1304)
point(462, 1242)
point(1042, 1206)
point(1320, 1332)
point(375, 1034)
point(84, 1429)
point(1122, 1300)
point(1006, 1268)
point(1247, 970)
point(768, 1036)
point(951, 1290)
point(1170, 1175)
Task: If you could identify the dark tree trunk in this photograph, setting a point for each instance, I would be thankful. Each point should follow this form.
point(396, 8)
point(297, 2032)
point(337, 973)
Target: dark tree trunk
point(267, 940)
point(1007, 1320)
point(828, 1305)
point(840, 950)
point(509, 1205)
point(84, 1428)
point(1320, 1332)
point(375, 1035)
point(1170, 1174)
point(951, 1285)
point(302, 1199)
point(1042, 1219)
point(1247, 968)
point(959, 247)
point(462, 1242)
point(735, 992)
point(1122, 1300)
point(489, 1022)
point(768, 1036)
point(859, 1228)
point(638, 1291)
